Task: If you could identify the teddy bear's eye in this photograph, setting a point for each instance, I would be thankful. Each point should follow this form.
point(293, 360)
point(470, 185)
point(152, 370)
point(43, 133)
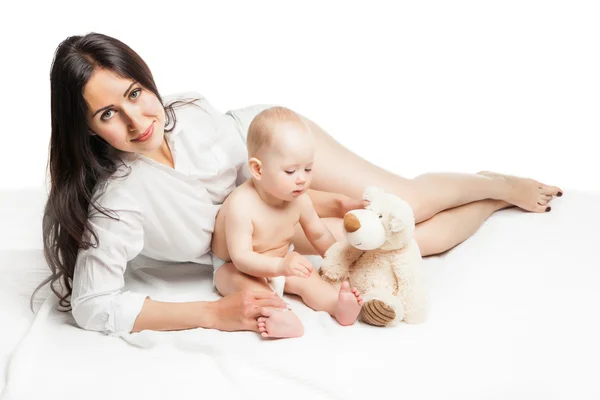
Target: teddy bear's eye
point(380, 215)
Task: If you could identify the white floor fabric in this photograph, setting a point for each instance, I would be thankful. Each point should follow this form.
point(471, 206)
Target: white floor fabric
point(514, 315)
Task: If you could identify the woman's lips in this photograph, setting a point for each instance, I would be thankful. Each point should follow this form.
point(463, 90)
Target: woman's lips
point(146, 135)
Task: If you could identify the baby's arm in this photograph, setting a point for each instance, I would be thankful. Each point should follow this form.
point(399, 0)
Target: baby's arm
point(315, 229)
point(239, 228)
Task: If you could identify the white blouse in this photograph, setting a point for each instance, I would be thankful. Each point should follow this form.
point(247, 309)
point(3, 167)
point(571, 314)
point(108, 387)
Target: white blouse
point(165, 214)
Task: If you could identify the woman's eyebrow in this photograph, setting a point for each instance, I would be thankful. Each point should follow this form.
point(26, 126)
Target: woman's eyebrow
point(129, 88)
point(109, 106)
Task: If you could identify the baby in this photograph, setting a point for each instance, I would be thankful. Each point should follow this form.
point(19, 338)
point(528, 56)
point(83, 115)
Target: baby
point(256, 223)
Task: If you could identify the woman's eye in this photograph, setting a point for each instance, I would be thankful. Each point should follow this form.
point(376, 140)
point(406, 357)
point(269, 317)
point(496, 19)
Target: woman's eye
point(289, 172)
point(105, 116)
point(135, 94)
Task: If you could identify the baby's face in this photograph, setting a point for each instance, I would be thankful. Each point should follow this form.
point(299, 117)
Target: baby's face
point(287, 166)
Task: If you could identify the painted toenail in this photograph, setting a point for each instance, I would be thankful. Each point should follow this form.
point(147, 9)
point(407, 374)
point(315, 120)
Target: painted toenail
point(559, 194)
point(548, 209)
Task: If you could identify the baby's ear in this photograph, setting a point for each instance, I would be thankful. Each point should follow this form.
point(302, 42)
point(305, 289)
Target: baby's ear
point(371, 192)
point(255, 167)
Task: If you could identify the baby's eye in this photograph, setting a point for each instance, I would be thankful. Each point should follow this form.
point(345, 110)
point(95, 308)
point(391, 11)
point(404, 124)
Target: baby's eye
point(289, 172)
point(104, 116)
point(136, 92)
point(308, 169)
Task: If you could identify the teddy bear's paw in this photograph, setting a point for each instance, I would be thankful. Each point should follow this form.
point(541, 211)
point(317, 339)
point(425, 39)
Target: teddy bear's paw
point(328, 276)
point(371, 192)
point(376, 312)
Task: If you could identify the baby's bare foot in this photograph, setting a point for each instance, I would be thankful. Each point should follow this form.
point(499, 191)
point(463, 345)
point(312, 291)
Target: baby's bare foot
point(280, 324)
point(348, 306)
point(528, 194)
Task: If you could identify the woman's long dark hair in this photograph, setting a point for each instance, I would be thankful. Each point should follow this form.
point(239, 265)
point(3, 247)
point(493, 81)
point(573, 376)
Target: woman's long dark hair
point(79, 162)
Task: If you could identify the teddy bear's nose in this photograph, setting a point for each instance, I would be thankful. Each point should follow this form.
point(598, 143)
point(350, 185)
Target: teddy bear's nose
point(351, 223)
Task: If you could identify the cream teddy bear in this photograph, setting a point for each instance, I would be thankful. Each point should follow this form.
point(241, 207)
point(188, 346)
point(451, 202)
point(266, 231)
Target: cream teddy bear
point(382, 260)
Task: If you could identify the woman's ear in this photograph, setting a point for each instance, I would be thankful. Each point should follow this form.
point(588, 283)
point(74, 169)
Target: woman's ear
point(255, 166)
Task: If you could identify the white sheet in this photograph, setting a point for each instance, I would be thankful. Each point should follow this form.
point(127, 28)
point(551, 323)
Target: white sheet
point(22, 266)
point(514, 315)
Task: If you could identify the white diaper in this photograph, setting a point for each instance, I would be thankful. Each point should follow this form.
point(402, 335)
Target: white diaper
point(277, 283)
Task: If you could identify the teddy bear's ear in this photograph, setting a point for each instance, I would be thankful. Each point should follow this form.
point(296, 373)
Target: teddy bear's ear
point(396, 224)
point(371, 192)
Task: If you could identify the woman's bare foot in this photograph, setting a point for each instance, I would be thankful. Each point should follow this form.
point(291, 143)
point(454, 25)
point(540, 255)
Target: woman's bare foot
point(280, 324)
point(528, 194)
point(348, 306)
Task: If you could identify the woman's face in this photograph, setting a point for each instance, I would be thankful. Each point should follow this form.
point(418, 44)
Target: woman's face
point(123, 113)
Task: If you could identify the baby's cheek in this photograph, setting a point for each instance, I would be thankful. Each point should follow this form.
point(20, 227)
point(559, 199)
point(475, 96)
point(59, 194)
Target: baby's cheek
point(284, 182)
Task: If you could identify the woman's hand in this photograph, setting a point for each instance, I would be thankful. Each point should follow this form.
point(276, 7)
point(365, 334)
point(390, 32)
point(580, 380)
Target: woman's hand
point(334, 205)
point(239, 311)
point(346, 204)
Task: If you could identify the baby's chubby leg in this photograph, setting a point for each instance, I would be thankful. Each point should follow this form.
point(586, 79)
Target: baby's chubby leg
point(319, 295)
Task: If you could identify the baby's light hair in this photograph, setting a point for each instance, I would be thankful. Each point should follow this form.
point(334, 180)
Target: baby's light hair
point(264, 124)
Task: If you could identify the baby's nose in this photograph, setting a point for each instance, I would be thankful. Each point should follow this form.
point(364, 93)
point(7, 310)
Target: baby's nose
point(300, 179)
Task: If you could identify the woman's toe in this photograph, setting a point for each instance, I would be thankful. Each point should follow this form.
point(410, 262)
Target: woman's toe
point(544, 200)
point(551, 190)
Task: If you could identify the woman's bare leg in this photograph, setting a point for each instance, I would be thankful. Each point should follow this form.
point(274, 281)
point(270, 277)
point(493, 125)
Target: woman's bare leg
point(273, 323)
point(339, 170)
point(450, 228)
point(438, 234)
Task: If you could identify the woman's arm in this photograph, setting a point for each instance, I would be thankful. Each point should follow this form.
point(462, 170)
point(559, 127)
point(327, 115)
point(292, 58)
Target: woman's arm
point(236, 312)
point(162, 316)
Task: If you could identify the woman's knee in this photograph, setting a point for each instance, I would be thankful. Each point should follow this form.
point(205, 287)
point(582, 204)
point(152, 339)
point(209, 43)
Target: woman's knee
point(430, 242)
point(422, 199)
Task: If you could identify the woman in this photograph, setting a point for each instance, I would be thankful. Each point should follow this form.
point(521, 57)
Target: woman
point(135, 175)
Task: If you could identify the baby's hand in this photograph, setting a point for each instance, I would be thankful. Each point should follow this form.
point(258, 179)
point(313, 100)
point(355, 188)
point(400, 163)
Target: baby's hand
point(293, 264)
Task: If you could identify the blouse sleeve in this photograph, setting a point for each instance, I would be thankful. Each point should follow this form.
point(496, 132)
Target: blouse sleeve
point(99, 301)
point(244, 116)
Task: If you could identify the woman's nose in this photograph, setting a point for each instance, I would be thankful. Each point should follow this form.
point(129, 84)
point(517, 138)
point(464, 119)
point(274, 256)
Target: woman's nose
point(134, 120)
point(135, 124)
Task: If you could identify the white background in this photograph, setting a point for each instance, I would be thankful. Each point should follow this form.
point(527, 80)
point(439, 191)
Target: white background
point(511, 86)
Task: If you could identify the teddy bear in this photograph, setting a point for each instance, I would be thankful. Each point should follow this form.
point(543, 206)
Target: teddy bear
point(381, 258)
